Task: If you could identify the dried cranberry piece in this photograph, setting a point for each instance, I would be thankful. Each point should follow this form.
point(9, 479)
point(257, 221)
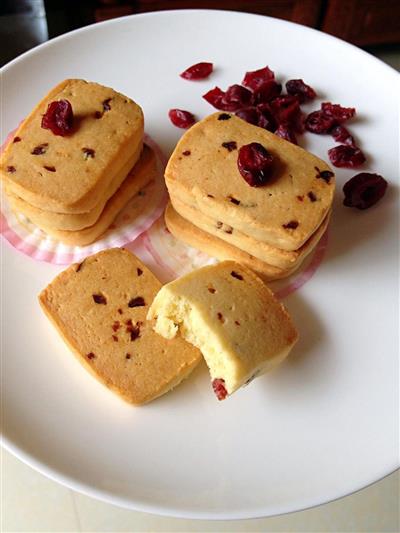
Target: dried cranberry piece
point(266, 119)
point(337, 112)
point(299, 122)
point(138, 301)
point(219, 388)
point(318, 122)
point(198, 71)
point(292, 224)
point(249, 114)
point(58, 118)
point(346, 156)
point(285, 109)
point(181, 118)
point(364, 190)
point(342, 135)
point(301, 90)
point(40, 149)
point(224, 116)
point(230, 145)
point(254, 164)
point(11, 169)
point(17, 139)
point(235, 98)
point(214, 97)
point(253, 79)
point(285, 132)
point(266, 91)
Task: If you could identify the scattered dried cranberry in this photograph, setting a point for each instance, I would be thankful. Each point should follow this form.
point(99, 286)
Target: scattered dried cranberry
point(235, 98)
point(214, 97)
point(337, 112)
point(285, 132)
point(58, 118)
point(236, 275)
point(346, 156)
point(301, 90)
point(139, 271)
point(364, 190)
point(219, 388)
point(266, 119)
point(11, 169)
point(17, 139)
point(255, 78)
point(180, 118)
point(90, 355)
point(318, 122)
point(186, 152)
point(342, 135)
point(224, 116)
point(198, 71)
point(285, 109)
point(266, 91)
point(254, 163)
point(50, 168)
point(249, 114)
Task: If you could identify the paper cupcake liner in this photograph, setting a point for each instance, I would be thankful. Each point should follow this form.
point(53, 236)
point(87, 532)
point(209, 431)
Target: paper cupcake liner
point(170, 258)
point(140, 228)
point(136, 217)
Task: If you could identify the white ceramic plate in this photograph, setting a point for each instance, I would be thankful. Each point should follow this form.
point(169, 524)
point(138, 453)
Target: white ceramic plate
point(321, 426)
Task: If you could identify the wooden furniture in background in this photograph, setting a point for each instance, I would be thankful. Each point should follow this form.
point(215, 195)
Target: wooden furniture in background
point(362, 22)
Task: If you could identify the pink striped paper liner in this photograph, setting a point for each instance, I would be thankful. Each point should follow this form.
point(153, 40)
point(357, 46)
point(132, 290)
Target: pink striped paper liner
point(134, 219)
point(172, 258)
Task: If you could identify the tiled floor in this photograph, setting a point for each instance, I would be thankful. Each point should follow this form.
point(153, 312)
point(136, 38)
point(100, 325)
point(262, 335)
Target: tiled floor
point(32, 503)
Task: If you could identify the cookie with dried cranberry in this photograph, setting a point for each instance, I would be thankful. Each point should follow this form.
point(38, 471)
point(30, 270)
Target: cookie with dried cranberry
point(144, 172)
point(99, 307)
point(74, 144)
point(187, 232)
point(272, 255)
point(227, 312)
point(281, 193)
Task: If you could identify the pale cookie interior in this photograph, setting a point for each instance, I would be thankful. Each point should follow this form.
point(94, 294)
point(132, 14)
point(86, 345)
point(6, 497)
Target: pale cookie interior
point(231, 316)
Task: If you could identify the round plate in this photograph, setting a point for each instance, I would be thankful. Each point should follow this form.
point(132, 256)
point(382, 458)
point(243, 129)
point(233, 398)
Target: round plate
point(322, 425)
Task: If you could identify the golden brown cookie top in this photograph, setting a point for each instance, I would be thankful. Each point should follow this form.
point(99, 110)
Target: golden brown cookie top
point(70, 173)
point(284, 212)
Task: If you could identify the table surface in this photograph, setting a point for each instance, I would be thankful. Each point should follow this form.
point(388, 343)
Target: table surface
point(32, 503)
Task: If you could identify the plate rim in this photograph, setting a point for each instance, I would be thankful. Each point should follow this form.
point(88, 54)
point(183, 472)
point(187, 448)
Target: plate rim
point(106, 496)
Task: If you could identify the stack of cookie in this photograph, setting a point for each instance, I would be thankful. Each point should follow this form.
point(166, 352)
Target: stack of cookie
point(76, 160)
point(270, 228)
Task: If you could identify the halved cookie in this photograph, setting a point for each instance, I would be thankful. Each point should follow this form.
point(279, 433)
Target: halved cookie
point(227, 312)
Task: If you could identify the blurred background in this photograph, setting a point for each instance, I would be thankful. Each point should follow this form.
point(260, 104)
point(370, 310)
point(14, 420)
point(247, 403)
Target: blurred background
point(370, 24)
